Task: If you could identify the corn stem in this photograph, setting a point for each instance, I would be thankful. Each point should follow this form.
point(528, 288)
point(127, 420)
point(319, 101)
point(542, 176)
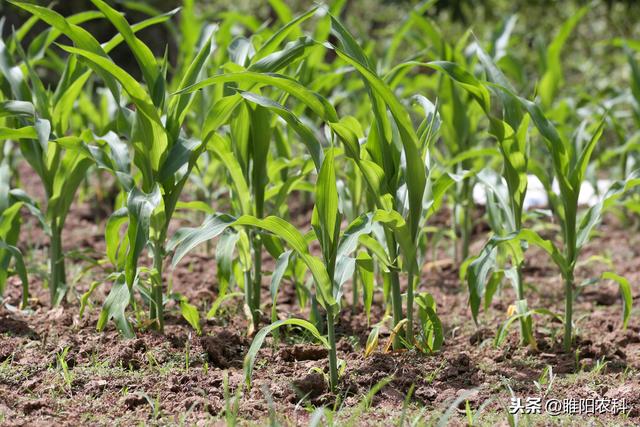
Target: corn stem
point(568, 313)
point(157, 306)
point(56, 256)
point(333, 358)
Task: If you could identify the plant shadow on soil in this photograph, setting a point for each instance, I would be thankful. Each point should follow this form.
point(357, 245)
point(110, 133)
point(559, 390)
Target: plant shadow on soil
point(56, 369)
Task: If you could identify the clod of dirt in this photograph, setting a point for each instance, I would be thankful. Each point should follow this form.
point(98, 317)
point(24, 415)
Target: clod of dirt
point(133, 400)
point(33, 406)
point(628, 337)
point(302, 352)
point(344, 345)
point(224, 350)
point(480, 335)
point(130, 355)
point(311, 385)
point(15, 327)
point(458, 366)
point(602, 297)
point(96, 387)
point(425, 394)
point(5, 353)
point(212, 405)
point(31, 384)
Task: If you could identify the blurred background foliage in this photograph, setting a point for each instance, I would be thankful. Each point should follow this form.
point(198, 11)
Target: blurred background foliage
point(590, 62)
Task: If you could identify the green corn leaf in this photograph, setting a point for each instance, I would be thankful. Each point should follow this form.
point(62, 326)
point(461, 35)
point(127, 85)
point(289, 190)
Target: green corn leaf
point(495, 187)
point(191, 315)
point(430, 322)
point(511, 109)
point(534, 238)
point(554, 142)
point(64, 106)
point(327, 203)
point(394, 221)
point(137, 93)
point(278, 273)
point(185, 239)
point(376, 248)
point(180, 155)
point(17, 109)
point(282, 10)
point(141, 52)
point(364, 264)
point(20, 268)
point(220, 300)
point(140, 207)
point(11, 72)
point(344, 269)
point(439, 190)
point(224, 259)
point(466, 80)
point(219, 114)
point(5, 188)
point(306, 135)
point(195, 206)
point(39, 93)
point(32, 206)
point(114, 307)
point(625, 292)
point(179, 105)
point(380, 134)
point(504, 327)
point(260, 141)
point(138, 26)
point(116, 247)
point(67, 178)
point(593, 215)
point(271, 44)
point(291, 52)
point(492, 287)
point(349, 130)
point(296, 240)
point(352, 234)
point(314, 101)
point(477, 274)
point(580, 168)
point(80, 37)
point(415, 168)
point(553, 77)
point(26, 132)
point(40, 44)
point(222, 149)
point(252, 353)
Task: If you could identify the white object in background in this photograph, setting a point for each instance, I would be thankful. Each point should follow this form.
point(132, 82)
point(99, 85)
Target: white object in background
point(536, 197)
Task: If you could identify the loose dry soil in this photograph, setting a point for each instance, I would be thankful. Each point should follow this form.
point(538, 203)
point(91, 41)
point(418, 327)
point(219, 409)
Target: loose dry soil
point(112, 381)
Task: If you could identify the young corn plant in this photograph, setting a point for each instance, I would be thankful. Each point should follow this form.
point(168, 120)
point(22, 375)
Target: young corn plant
point(38, 117)
point(48, 121)
point(163, 155)
point(329, 272)
point(394, 169)
point(11, 202)
point(505, 195)
point(244, 147)
point(569, 162)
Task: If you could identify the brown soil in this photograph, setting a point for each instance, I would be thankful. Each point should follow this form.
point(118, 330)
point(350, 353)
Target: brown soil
point(55, 369)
